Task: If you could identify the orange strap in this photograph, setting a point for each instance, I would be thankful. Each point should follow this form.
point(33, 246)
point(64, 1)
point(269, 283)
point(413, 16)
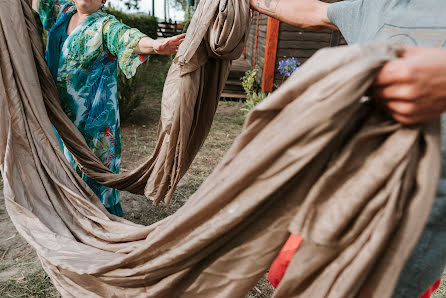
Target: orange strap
point(280, 264)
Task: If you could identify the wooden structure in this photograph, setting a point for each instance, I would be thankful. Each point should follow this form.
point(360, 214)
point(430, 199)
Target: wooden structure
point(233, 88)
point(271, 41)
point(168, 29)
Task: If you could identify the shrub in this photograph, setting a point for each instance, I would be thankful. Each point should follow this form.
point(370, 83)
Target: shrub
point(249, 81)
point(129, 97)
point(252, 100)
point(148, 81)
point(254, 96)
point(144, 23)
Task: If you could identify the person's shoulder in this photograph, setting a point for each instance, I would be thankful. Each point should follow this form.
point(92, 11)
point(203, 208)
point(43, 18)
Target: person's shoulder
point(108, 18)
point(65, 6)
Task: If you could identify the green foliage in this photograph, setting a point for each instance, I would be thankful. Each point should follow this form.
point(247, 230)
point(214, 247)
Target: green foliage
point(249, 83)
point(148, 81)
point(129, 98)
point(144, 23)
point(253, 99)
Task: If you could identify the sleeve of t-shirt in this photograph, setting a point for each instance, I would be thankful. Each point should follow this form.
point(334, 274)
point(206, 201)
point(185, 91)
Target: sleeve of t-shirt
point(347, 15)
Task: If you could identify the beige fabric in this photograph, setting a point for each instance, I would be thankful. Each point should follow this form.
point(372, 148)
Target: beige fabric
point(311, 160)
point(194, 83)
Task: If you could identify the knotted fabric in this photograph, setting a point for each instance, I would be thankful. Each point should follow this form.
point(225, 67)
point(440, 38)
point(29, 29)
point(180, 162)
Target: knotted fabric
point(313, 159)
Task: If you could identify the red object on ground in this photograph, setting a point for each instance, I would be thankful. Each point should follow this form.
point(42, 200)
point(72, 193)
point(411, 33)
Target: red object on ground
point(280, 264)
point(432, 289)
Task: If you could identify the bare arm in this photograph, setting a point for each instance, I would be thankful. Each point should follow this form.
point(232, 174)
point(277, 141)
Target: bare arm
point(307, 14)
point(163, 46)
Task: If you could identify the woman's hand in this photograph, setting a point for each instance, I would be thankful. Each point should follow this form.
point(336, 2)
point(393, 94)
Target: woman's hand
point(169, 45)
point(164, 46)
point(413, 88)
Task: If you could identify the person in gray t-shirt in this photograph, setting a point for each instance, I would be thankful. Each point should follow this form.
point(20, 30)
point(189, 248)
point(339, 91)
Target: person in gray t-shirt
point(411, 88)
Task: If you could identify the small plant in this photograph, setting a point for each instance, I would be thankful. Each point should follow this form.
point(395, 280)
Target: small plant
point(288, 66)
point(249, 82)
point(252, 100)
point(250, 86)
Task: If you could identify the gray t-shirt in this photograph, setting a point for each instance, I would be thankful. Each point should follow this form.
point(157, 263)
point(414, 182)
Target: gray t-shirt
point(405, 22)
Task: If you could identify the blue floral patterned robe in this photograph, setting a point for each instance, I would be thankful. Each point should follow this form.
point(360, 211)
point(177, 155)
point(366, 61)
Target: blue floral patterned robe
point(86, 77)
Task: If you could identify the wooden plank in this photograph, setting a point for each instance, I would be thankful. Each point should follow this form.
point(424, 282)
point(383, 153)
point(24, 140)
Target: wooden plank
point(272, 39)
point(298, 53)
point(233, 95)
point(303, 45)
point(302, 36)
point(335, 38)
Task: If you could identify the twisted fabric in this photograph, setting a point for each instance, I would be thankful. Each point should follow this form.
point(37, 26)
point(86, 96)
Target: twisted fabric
point(313, 160)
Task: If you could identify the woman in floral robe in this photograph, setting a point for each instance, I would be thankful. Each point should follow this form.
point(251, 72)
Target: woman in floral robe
point(85, 47)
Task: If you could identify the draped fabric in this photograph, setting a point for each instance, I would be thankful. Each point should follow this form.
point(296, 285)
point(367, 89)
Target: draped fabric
point(313, 159)
point(194, 83)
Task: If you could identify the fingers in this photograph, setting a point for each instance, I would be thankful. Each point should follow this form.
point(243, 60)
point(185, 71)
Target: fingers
point(170, 45)
point(412, 119)
point(409, 112)
point(397, 91)
point(393, 72)
point(179, 37)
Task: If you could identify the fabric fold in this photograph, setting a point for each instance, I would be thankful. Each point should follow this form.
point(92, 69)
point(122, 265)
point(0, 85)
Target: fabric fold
point(319, 145)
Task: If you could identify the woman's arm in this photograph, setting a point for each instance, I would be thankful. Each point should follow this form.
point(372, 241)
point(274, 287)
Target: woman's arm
point(163, 46)
point(307, 14)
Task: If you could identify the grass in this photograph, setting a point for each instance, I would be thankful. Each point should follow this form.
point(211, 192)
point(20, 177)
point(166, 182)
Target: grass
point(35, 284)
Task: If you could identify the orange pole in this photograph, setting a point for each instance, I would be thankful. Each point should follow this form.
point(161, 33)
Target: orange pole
point(269, 66)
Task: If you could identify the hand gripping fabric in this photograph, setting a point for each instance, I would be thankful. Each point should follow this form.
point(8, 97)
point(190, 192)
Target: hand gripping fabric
point(312, 160)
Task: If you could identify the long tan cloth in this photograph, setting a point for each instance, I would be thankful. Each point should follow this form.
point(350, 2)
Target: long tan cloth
point(193, 86)
point(311, 160)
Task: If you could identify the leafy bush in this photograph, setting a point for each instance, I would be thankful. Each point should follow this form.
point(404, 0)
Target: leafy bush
point(249, 83)
point(148, 81)
point(129, 97)
point(252, 100)
point(144, 23)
